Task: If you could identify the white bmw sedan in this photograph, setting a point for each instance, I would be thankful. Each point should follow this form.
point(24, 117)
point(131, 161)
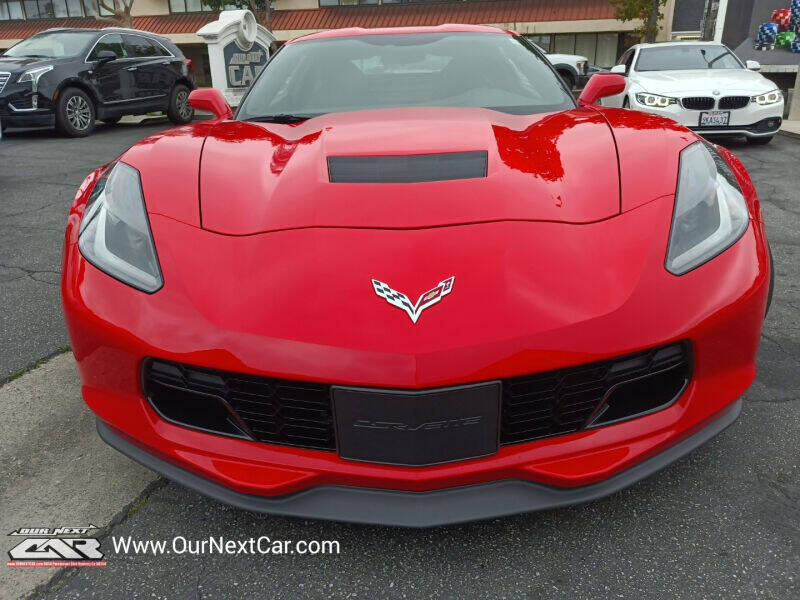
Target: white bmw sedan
point(702, 85)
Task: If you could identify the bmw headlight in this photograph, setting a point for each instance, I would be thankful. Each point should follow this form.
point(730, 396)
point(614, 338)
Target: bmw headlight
point(710, 210)
point(655, 101)
point(772, 97)
point(115, 232)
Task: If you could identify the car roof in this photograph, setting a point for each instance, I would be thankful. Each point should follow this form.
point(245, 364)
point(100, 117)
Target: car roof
point(682, 43)
point(447, 28)
point(102, 31)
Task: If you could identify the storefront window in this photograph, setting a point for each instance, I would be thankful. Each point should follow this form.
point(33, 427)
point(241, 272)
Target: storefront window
point(10, 10)
point(348, 2)
point(183, 6)
point(607, 44)
point(564, 43)
point(599, 48)
point(363, 2)
point(47, 9)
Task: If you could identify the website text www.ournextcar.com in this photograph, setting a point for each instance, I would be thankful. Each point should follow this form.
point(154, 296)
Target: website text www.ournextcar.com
point(220, 545)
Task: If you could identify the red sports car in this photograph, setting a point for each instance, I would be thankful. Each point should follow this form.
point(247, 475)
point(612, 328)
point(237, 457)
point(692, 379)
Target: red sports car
point(414, 282)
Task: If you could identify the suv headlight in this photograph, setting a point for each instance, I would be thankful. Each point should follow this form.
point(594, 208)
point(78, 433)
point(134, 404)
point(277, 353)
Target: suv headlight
point(710, 210)
point(654, 100)
point(33, 76)
point(772, 97)
point(115, 232)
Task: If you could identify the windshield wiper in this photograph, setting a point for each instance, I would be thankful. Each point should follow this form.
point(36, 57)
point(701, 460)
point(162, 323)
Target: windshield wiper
point(281, 118)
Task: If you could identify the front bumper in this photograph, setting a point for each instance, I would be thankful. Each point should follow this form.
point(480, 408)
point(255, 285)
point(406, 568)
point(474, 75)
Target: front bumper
point(751, 121)
point(308, 331)
point(421, 509)
point(17, 108)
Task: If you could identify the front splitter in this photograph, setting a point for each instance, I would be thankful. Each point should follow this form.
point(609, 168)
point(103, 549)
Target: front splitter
point(422, 509)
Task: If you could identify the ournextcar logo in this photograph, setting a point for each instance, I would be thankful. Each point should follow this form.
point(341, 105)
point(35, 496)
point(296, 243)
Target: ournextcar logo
point(399, 426)
point(44, 549)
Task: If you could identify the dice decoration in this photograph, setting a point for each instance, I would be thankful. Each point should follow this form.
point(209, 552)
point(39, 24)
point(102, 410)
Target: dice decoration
point(782, 31)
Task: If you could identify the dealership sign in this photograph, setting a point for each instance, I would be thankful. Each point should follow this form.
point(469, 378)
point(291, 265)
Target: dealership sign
point(242, 66)
point(238, 50)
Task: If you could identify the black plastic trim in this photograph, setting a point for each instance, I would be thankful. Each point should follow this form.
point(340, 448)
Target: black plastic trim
point(422, 509)
point(408, 168)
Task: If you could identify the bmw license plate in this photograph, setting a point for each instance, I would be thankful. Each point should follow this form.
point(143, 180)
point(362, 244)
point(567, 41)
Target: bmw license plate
point(714, 118)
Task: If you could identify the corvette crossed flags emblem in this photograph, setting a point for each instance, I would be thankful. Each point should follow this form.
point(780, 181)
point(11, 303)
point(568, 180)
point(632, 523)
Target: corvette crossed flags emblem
point(400, 300)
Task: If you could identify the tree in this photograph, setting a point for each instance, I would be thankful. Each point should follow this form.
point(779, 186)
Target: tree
point(120, 12)
point(262, 9)
point(649, 11)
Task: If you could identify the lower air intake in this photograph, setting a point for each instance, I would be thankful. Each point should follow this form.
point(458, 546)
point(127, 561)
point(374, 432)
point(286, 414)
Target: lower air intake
point(300, 414)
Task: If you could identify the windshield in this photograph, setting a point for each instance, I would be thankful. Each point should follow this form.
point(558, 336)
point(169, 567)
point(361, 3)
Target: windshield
point(686, 57)
point(496, 71)
point(64, 44)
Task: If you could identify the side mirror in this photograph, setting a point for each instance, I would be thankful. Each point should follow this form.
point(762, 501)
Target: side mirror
point(106, 56)
point(619, 69)
point(211, 100)
point(753, 65)
point(601, 85)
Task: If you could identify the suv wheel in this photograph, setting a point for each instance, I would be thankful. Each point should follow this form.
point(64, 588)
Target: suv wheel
point(75, 113)
point(180, 111)
point(569, 80)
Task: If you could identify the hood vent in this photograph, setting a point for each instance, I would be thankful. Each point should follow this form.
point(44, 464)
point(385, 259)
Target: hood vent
point(413, 168)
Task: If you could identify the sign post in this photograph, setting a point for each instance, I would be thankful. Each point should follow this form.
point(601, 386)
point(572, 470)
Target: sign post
point(238, 49)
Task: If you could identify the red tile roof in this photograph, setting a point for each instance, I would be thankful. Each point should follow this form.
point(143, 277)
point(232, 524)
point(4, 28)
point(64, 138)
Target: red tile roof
point(470, 13)
point(162, 24)
point(334, 17)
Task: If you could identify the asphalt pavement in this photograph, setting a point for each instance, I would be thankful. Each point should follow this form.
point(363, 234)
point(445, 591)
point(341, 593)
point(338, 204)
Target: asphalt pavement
point(39, 175)
point(722, 523)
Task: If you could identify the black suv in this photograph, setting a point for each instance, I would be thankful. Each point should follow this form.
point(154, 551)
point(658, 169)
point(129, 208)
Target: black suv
point(68, 78)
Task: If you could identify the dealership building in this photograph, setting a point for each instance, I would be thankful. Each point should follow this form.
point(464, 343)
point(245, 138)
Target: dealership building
point(585, 27)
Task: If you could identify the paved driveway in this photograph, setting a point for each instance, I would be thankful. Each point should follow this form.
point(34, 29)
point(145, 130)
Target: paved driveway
point(39, 175)
point(722, 523)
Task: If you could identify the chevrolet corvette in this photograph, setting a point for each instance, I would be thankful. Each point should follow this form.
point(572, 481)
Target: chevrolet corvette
point(412, 281)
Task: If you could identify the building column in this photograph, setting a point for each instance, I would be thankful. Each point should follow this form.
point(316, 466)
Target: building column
point(719, 25)
point(794, 109)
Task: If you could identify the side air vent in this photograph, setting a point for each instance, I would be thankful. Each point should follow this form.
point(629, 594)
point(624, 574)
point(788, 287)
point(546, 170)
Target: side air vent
point(412, 168)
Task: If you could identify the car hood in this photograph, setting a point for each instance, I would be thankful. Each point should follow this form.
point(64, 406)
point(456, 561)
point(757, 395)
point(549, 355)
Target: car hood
point(705, 81)
point(259, 177)
point(14, 64)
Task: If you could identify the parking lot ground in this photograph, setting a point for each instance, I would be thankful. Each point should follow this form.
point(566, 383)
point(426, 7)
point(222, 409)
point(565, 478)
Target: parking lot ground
point(39, 175)
point(722, 523)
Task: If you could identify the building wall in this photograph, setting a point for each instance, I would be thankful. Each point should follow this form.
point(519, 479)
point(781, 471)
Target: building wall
point(150, 7)
point(295, 4)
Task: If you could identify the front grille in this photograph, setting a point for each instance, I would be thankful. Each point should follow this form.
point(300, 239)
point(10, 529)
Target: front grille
point(734, 102)
point(4, 80)
point(295, 413)
point(698, 103)
point(275, 411)
point(568, 400)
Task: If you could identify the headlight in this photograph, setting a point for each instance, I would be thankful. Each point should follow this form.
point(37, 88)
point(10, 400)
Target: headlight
point(710, 210)
point(655, 101)
point(33, 75)
point(582, 67)
point(115, 233)
point(772, 97)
